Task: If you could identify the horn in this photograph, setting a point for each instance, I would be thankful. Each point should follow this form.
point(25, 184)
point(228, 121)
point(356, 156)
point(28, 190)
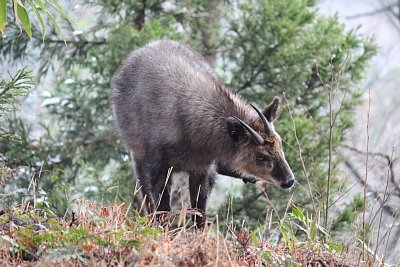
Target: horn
point(259, 140)
point(267, 125)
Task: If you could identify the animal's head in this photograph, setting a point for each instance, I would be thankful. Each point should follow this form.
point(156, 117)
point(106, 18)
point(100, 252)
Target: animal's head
point(260, 147)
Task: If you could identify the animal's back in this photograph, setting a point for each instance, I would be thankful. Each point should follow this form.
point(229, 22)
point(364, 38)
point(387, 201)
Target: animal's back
point(158, 90)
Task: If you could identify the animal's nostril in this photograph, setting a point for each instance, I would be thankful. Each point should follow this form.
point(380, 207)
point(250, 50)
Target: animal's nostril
point(288, 184)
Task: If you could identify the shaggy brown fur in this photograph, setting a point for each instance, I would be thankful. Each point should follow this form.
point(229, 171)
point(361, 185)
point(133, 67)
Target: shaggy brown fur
point(170, 110)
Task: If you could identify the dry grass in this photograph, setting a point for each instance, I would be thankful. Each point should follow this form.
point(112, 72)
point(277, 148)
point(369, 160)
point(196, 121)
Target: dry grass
point(98, 235)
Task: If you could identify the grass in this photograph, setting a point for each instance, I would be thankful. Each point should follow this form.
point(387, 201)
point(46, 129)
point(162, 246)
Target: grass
point(114, 235)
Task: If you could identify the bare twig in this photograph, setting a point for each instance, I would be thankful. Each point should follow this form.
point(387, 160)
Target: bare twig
point(393, 243)
point(382, 202)
point(390, 161)
point(300, 155)
point(250, 81)
point(262, 189)
point(366, 175)
point(371, 13)
point(360, 179)
point(329, 154)
point(394, 18)
point(316, 124)
point(162, 192)
point(381, 213)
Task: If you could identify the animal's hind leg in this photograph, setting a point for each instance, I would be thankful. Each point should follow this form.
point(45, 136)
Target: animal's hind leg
point(200, 186)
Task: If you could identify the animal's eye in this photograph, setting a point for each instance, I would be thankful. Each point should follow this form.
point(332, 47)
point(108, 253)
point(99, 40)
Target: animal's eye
point(261, 157)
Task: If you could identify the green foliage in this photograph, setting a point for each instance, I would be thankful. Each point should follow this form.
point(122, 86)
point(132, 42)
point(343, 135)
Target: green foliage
point(17, 86)
point(284, 47)
point(23, 17)
point(81, 147)
point(263, 48)
point(300, 223)
point(3, 15)
point(21, 14)
point(344, 219)
point(27, 230)
point(106, 235)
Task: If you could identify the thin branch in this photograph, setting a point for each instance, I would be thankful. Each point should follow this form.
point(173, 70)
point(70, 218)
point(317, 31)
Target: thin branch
point(394, 241)
point(366, 175)
point(337, 88)
point(250, 81)
point(300, 155)
point(141, 15)
point(394, 18)
point(389, 210)
point(329, 156)
point(316, 124)
point(389, 160)
point(84, 42)
point(385, 198)
point(332, 120)
point(371, 13)
point(342, 195)
point(79, 41)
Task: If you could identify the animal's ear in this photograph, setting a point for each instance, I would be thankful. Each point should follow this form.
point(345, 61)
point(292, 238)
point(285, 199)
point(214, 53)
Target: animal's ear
point(236, 131)
point(271, 112)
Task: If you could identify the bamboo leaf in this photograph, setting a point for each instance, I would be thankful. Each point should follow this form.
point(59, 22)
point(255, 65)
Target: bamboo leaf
point(14, 4)
point(284, 231)
point(57, 8)
point(55, 25)
point(42, 6)
point(51, 18)
point(3, 15)
point(39, 16)
point(24, 18)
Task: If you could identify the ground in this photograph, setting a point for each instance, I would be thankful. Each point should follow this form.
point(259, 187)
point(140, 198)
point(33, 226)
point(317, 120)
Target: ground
point(115, 235)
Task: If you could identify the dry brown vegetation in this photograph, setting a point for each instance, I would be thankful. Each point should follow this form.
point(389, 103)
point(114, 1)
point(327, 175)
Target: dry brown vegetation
point(110, 235)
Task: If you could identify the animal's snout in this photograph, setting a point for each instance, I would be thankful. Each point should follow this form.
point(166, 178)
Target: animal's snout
point(288, 183)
